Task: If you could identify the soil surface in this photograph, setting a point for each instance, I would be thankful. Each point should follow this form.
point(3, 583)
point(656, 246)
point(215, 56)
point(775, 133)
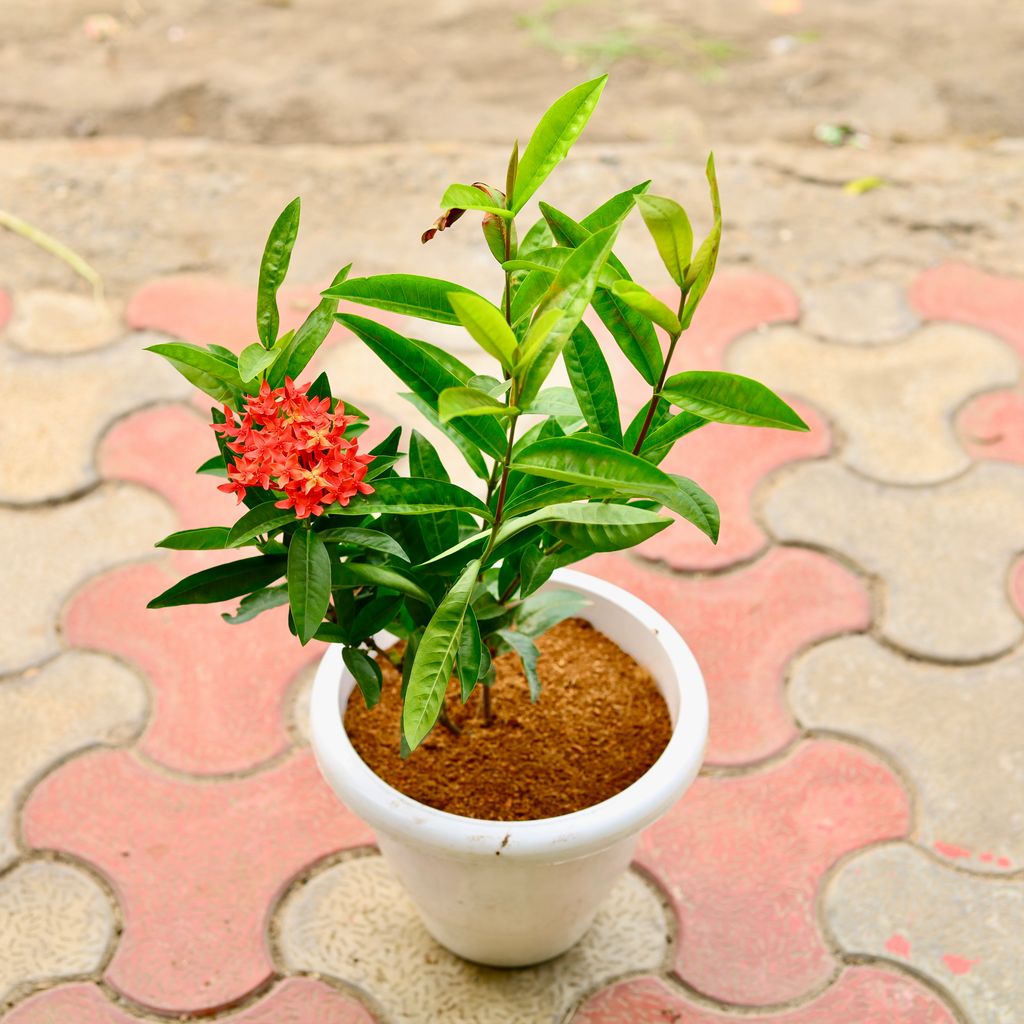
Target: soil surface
point(599, 724)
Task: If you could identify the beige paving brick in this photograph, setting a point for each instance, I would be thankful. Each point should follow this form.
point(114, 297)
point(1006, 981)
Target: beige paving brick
point(47, 552)
point(961, 932)
point(77, 700)
point(955, 731)
point(55, 922)
point(50, 321)
point(894, 403)
point(942, 553)
point(56, 410)
point(862, 310)
point(354, 922)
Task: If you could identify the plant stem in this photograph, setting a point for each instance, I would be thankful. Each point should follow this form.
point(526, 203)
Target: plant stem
point(656, 393)
point(488, 714)
point(448, 723)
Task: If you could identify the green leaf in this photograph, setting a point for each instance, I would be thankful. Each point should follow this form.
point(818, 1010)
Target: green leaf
point(659, 442)
point(213, 466)
point(703, 267)
point(366, 673)
point(528, 656)
point(309, 582)
point(537, 567)
point(615, 209)
point(670, 228)
point(592, 383)
point(412, 496)
point(222, 582)
point(470, 655)
point(580, 461)
point(211, 373)
point(486, 326)
point(553, 493)
point(538, 237)
point(637, 297)
point(466, 197)
point(427, 373)
point(254, 359)
point(596, 527)
point(265, 518)
point(560, 403)
point(440, 531)
point(368, 540)
point(375, 614)
point(553, 137)
point(435, 659)
point(730, 398)
point(308, 338)
point(273, 267)
point(551, 260)
point(423, 297)
point(259, 601)
point(361, 574)
point(453, 402)
point(466, 448)
point(527, 294)
point(633, 333)
point(205, 538)
point(538, 613)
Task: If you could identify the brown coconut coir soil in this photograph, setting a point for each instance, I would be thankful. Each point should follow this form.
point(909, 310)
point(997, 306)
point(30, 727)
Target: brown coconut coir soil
point(599, 725)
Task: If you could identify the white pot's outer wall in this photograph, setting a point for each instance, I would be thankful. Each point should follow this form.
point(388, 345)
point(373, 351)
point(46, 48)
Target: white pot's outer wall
point(520, 892)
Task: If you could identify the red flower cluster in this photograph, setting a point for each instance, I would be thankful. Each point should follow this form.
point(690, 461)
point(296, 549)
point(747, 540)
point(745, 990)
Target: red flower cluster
point(292, 443)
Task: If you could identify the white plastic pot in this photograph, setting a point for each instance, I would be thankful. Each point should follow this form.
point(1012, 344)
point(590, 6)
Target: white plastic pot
point(520, 892)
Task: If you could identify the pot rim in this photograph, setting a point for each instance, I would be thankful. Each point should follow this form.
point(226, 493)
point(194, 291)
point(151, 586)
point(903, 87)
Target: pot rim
point(564, 837)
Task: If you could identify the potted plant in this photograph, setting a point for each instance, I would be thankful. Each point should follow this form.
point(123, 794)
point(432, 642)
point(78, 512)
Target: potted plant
point(506, 811)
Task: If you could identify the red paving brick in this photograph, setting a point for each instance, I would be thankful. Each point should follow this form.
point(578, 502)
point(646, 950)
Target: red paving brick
point(742, 860)
point(196, 867)
point(744, 627)
point(956, 291)
point(295, 1001)
point(991, 426)
point(5, 308)
point(729, 463)
point(861, 995)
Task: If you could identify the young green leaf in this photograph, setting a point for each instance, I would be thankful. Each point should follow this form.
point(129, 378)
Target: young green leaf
point(528, 656)
point(273, 268)
point(366, 673)
point(553, 137)
point(258, 601)
point(423, 297)
point(453, 402)
point(578, 461)
point(535, 615)
point(308, 338)
point(205, 538)
point(309, 582)
point(639, 298)
point(427, 372)
point(592, 383)
point(703, 267)
point(435, 659)
point(412, 496)
point(468, 197)
point(615, 209)
point(222, 582)
point(730, 398)
point(470, 653)
point(359, 574)
point(633, 333)
point(212, 374)
point(486, 326)
point(512, 171)
point(265, 518)
point(670, 228)
point(594, 526)
point(254, 359)
point(659, 441)
point(466, 448)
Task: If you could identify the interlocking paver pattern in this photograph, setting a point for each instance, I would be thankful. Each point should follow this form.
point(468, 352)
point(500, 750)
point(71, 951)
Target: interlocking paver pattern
point(852, 853)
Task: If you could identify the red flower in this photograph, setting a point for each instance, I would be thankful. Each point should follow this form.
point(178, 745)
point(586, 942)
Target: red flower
point(291, 443)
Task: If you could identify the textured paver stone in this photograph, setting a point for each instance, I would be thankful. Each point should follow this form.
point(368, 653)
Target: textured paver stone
point(62, 322)
point(47, 552)
point(742, 859)
point(991, 426)
point(91, 390)
point(294, 1001)
point(5, 308)
point(55, 921)
point(893, 404)
point(730, 463)
point(354, 922)
point(77, 700)
point(195, 867)
point(743, 629)
point(219, 689)
point(941, 554)
point(961, 932)
point(955, 291)
point(858, 310)
point(955, 730)
point(861, 995)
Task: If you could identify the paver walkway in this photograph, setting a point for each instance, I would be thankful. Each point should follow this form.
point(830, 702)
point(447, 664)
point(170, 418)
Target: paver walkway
point(852, 854)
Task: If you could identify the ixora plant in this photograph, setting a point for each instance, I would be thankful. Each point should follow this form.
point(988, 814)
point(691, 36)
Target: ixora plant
point(356, 543)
